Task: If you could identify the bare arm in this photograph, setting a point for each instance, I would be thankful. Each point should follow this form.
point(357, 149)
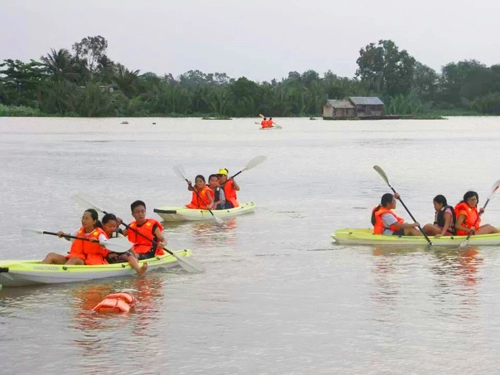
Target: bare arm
point(447, 223)
point(158, 233)
point(460, 223)
point(236, 186)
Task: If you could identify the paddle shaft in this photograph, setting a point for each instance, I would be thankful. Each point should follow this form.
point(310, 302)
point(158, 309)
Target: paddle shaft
point(199, 197)
point(409, 213)
point(143, 236)
point(477, 219)
point(69, 236)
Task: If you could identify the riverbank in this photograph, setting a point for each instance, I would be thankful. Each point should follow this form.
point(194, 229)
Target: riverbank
point(435, 114)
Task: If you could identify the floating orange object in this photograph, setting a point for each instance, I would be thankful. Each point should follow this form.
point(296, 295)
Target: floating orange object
point(116, 302)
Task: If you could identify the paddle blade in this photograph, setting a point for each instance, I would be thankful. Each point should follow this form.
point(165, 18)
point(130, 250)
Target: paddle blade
point(28, 232)
point(464, 243)
point(86, 202)
point(117, 245)
point(495, 187)
point(217, 219)
point(255, 162)
point(188, 264)
point(381, 172)
point(180, 172)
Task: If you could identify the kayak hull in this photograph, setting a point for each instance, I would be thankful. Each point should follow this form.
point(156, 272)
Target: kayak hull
point(15, 273)
point(168, 213)
point(358, 236)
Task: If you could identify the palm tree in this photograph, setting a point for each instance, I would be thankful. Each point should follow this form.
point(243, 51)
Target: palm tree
point(60, 64)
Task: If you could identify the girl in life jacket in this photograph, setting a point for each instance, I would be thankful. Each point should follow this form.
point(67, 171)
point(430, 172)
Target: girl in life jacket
point(469, 217)
point(444, 220)
point(82, 251)
point(217, 193)
point(386, 222)
point(201, 198)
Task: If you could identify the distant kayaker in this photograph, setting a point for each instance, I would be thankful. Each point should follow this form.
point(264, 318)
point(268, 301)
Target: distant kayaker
point(110, 227)
point(270, 122)
point(263, 123)
point(468, 216)
point(217, 193)
point(201, 198)
point(444, 220)
point(386, 222)
point(83, 252)
point(230, 188)
point(146, 234)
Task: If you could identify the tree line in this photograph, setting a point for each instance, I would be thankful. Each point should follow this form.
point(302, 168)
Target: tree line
point(86, 82)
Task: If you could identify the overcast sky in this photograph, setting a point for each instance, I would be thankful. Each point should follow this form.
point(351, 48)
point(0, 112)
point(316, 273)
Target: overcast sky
point(259, 39)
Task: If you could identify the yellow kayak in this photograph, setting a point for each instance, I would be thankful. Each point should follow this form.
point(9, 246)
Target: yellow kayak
point(365, 236)
point(168, 213)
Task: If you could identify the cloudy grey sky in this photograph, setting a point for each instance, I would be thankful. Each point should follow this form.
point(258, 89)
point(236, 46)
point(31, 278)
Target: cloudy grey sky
point(259, 39)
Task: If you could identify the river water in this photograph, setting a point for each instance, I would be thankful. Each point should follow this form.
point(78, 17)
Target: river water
point(278, 297)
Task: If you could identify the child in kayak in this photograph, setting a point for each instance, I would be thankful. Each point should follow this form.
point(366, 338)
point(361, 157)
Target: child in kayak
point(145, 234)
point(217, 193)
point(110, 226)
point(201, 198)
point(230, 188)
point(444, 221)
point(386, 222)
point(469, 217)
point(83, 252)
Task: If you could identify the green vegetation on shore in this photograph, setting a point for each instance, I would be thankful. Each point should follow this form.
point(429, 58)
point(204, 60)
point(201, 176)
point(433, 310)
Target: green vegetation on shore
point(87, 83)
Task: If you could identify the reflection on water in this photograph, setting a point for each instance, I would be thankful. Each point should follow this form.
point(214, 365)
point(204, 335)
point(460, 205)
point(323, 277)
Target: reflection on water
point(205, 233)
point(268, 303)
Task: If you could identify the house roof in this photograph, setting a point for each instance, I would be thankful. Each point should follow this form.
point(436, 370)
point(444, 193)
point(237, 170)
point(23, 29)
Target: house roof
point(339, 103)
point(366, 100)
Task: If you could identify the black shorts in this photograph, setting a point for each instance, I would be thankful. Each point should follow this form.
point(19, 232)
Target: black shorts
point(118, 257)
point(148, 255)
point(400, 233)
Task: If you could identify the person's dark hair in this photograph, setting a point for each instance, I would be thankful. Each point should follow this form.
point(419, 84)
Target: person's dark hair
point(137, 204)
point(95, 216)
point(212, 175)
point(441, 199)
point(386, 199)
point(200, 176)
point(471, 194)
point(109, 217)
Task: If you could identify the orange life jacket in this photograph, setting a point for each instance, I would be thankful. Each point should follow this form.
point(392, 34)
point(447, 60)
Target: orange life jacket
point(116, 302)
point(269, 123)
point(263, 123)
point(202, 203)
point(92, 253)
point(141, 244)
point(230, 193)
point(471, 215)
point(379, 227)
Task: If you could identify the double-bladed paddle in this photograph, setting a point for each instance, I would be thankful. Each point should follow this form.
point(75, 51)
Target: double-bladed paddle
point(188, 264)
point(115, 244)
point(251, 164)
point(381, 172)
point(179, 171)
point(275, 124)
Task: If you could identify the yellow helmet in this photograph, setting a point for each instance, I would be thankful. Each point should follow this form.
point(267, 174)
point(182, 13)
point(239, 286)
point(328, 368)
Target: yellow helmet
point(223, 171)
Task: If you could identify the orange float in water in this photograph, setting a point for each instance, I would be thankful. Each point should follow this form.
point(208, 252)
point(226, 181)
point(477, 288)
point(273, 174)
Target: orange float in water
point(116, 302)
